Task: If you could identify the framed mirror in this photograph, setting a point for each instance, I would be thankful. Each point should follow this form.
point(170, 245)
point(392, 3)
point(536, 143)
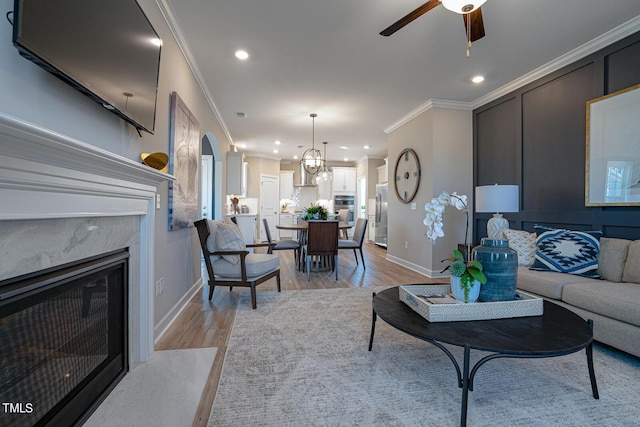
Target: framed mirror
point(612, 172)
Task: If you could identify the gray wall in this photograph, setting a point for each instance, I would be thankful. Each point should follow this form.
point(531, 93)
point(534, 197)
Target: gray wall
point(31, 94)
point(535, 137)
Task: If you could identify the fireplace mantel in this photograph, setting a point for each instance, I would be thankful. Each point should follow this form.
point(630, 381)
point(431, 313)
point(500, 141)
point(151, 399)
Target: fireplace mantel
point(45, 175)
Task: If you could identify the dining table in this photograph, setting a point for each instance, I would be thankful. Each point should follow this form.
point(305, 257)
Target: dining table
point(301, 227)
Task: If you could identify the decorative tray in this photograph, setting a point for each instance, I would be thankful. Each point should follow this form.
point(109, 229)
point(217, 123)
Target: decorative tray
point(414, 296)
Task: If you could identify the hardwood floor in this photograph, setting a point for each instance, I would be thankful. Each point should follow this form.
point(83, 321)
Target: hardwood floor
point(205, 323)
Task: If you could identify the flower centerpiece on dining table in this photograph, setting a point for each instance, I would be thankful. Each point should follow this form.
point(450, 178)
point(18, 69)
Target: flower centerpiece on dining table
point(315, 212)
point(466, 274)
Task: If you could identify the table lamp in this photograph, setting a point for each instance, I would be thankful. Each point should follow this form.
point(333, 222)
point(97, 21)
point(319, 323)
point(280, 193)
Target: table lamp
point(497, 198)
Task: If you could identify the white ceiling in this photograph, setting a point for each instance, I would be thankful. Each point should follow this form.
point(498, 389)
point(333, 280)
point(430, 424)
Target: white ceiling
point(326, 57)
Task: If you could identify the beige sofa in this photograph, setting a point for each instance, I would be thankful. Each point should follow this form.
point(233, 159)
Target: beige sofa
point(613, 303)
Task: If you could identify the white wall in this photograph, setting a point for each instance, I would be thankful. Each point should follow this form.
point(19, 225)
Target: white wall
point(442, 138)
point(31, 94)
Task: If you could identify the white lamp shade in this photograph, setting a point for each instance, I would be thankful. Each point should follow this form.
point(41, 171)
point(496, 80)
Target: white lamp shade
point(497, 198)
point(460, 6)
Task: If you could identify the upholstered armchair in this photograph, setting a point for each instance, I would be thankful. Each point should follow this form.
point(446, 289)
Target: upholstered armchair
point(228, 261)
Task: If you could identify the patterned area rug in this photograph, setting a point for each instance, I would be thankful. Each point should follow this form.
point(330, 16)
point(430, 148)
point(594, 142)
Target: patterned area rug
point(301, 359)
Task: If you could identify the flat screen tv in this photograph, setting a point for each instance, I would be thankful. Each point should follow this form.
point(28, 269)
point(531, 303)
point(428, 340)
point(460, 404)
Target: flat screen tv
point(108, 50)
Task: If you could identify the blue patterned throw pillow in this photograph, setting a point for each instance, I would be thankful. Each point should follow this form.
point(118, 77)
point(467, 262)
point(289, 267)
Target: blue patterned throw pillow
point(565, 251)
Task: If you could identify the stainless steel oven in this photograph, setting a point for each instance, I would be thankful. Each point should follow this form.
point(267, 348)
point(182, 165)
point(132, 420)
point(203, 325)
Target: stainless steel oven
point(345, 202)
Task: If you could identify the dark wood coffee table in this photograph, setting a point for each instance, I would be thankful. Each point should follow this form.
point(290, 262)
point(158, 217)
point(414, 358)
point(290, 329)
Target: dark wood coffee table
point(557, 332)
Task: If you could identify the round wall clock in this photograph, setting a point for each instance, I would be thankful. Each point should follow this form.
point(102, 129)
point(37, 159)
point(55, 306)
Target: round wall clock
point(406, 175)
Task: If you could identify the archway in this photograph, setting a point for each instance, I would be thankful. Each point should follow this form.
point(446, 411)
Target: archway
point(210, 146)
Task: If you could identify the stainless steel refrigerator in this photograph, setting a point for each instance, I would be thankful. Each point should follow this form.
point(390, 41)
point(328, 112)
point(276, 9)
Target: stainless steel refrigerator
point(381, 215)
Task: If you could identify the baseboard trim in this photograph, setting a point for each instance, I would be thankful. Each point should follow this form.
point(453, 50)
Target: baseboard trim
point(165, 323)
point(415, 267)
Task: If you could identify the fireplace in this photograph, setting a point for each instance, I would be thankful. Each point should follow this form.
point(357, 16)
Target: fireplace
point(65, 201)
point(64, 340)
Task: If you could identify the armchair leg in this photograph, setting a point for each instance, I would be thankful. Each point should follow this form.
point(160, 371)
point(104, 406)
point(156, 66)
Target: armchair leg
point(211, 288)
point(335, 257)
point(253, 296)
point(278, 280)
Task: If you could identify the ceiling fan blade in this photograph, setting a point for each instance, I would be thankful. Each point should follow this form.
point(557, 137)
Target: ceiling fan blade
point(477, 26)
point(410, 17)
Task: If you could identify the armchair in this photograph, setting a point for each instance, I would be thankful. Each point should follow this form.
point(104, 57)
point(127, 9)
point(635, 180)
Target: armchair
point(229, 263)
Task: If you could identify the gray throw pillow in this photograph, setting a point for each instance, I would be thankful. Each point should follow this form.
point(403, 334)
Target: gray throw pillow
point(612, 257)
point(229, 238)
point(632, 266)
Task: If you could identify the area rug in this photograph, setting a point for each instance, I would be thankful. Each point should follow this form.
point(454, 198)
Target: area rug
point(301, 359)
point(164, 391)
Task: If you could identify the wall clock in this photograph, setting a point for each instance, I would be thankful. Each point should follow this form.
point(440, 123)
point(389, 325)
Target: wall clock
point(406, 175)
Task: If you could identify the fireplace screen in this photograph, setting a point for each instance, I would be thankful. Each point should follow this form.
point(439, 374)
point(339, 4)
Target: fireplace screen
point(63, 341)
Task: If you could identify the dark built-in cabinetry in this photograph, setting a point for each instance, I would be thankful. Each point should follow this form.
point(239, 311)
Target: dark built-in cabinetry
point(535, 137)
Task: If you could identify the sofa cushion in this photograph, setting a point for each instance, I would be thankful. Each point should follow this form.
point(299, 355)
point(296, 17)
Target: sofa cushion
point(256, 264)
point(229, 238)
point(613, 254)
point(565, 251)
point(620, 301)
point(632, 266)
point(547, 283)
point(524, 243)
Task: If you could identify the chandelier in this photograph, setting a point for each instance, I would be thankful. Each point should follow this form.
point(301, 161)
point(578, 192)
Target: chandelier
point(324, 174)
point(312, 160)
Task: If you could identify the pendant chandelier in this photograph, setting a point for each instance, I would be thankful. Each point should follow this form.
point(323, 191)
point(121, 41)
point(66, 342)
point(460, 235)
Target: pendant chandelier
point(324, 174)
point(312, 160)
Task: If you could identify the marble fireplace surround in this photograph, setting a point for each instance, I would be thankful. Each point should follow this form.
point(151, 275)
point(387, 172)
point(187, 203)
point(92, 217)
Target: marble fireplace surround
point(62, 200)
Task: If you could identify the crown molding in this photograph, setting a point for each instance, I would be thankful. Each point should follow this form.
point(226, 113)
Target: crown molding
point(431, 103)
point(628, 28)
point(169, 16)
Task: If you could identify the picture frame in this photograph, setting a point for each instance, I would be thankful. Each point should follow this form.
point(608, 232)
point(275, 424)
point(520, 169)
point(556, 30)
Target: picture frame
point(612, 170)
point(184, 164)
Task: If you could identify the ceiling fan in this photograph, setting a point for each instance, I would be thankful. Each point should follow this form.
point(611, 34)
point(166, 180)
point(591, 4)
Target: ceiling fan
point(469, 9)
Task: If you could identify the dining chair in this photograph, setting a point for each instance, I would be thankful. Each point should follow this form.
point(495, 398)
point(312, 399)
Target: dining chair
point(228, 261)
point(343, 216)
point(357, 240)
point(282, 245)
point(322, 241)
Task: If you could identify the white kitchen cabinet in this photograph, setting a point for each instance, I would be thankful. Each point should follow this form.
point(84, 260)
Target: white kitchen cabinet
point(236, 174)
point(383, 174)
point(324, 190)
point(344, 180)
point(286, 184)
point(285, 219)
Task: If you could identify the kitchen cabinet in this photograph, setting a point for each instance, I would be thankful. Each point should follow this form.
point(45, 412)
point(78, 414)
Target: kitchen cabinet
point(324, 190)
point(344, 180)
point(383, 174)
point(236, 174)
point(247, 225)
point(286, 184)
point(285, 219)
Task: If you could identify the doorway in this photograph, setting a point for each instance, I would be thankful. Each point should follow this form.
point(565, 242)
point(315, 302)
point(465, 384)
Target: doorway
point(211, 178)
point(269, 203)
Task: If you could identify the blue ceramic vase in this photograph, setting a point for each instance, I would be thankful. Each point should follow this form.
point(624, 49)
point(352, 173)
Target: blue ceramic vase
point(500, 265)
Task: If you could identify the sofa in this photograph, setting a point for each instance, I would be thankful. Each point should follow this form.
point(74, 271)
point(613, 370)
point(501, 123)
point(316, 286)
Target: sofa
point(611, 301)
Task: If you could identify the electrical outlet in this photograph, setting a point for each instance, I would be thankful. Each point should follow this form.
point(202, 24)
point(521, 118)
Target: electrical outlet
point(406, 244)
point(159, 286)
point(413, 206)
point(157, 201)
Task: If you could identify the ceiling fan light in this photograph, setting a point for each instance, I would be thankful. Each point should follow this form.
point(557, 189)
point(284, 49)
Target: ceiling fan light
point(462, 6)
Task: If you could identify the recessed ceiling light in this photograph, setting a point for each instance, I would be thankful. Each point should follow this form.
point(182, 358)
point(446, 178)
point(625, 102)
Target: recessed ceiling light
point(346, 159)
point(275, 151)
point(343, 147)
point(366, 147)
point(242, 54)
point(242, 145)
point(477, 79)
point(295, 157)
point(277, 142)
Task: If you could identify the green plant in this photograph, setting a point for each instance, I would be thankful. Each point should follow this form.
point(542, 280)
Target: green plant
point(315, 212)
point(467, 271)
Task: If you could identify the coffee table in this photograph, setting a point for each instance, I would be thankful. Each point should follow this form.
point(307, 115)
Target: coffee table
point(557, 332)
